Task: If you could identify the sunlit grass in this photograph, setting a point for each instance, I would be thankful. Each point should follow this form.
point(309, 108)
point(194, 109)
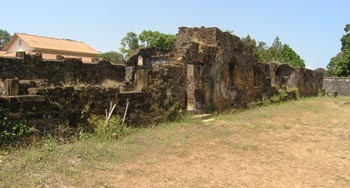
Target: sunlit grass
point(58, 165)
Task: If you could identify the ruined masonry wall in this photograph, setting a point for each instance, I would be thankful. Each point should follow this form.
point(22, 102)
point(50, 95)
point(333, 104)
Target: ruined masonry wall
point(49, 107)
point(339, 85)
point(309, 83)
point(227, 75)
point(167, 86)
point(225, 68)
point(59, 72)
point(214, 69)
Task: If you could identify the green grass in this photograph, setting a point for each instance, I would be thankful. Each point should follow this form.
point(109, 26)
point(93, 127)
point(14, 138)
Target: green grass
point(26, 166)
point(35, 165)
point(57, 165)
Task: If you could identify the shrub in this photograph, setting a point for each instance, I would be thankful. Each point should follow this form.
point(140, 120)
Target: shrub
point(293, 93)
point(276, 99)
point(175, 113)
point(108, 129)
point(12, 132)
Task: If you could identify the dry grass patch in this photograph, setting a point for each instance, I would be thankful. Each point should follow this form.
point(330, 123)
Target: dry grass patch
point(108, 83)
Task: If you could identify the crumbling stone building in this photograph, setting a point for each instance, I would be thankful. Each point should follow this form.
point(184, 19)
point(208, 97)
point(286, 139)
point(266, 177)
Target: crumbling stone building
point(207, 69)
point(220, 71)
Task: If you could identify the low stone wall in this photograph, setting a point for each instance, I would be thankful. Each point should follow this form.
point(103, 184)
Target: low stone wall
point(48, 107)
point(336, 86)
point(156, 97)
point(67, 71)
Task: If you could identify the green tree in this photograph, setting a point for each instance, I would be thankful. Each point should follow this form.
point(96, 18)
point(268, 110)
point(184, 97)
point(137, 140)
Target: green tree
point(249, 41)
point(150, 38)
point(114, 57)
point(276, 52)
point(168, 42)
point(259, 48)
point(129, 42)
point(291, 57)
point(4, 38)
point(340, 64)
point(146, 38)
point(261, 51)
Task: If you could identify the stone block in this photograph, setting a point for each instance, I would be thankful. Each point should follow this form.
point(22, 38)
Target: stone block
point(11, 87)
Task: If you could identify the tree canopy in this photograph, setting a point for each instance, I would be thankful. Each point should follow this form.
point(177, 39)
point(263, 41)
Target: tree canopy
point(114, 57)
point(146, 38)
point(4, 38)
point(277, 52)
point(129, 42)
point(156, 39)
point(340, 64)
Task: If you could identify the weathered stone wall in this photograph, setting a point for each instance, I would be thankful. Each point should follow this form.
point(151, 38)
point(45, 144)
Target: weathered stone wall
point(226, 73)
point(161, 76)
point(57, 72)
point(219, 72)
point(45, 107)
point(206, 69)
point(156, 97)
point(167, 86)
point(149, 56)
point(308, 82)
point(139, 62)
point(282, 75)
point(339, 85)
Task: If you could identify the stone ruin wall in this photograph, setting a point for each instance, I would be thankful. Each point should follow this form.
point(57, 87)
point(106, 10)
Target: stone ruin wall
point(219, 72)
point(333, 86)
point(58, 72)
point(308, 82)
point(226, 75)
point(48, 107)
point(43, 100)
point(207, 68)
point(161, 76)
point(224, 68)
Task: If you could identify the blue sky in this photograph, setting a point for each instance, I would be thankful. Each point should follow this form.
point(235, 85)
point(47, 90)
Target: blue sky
point(312, 28)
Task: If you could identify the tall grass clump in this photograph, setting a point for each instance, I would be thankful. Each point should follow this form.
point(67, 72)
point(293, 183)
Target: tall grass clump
point(110, 129)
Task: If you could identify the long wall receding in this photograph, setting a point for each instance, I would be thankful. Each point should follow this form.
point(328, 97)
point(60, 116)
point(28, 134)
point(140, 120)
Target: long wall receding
point(206, 69)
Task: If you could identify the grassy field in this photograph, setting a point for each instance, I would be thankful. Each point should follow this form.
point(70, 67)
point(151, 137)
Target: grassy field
point(304, 143)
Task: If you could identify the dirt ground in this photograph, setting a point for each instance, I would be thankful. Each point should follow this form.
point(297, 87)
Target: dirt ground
point(301, 144)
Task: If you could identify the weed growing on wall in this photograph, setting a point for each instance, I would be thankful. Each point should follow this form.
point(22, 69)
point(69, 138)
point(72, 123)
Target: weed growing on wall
point(280, 97)
point(176, 113)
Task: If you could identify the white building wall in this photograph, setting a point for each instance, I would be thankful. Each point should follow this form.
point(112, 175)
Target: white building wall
point(19, 45)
